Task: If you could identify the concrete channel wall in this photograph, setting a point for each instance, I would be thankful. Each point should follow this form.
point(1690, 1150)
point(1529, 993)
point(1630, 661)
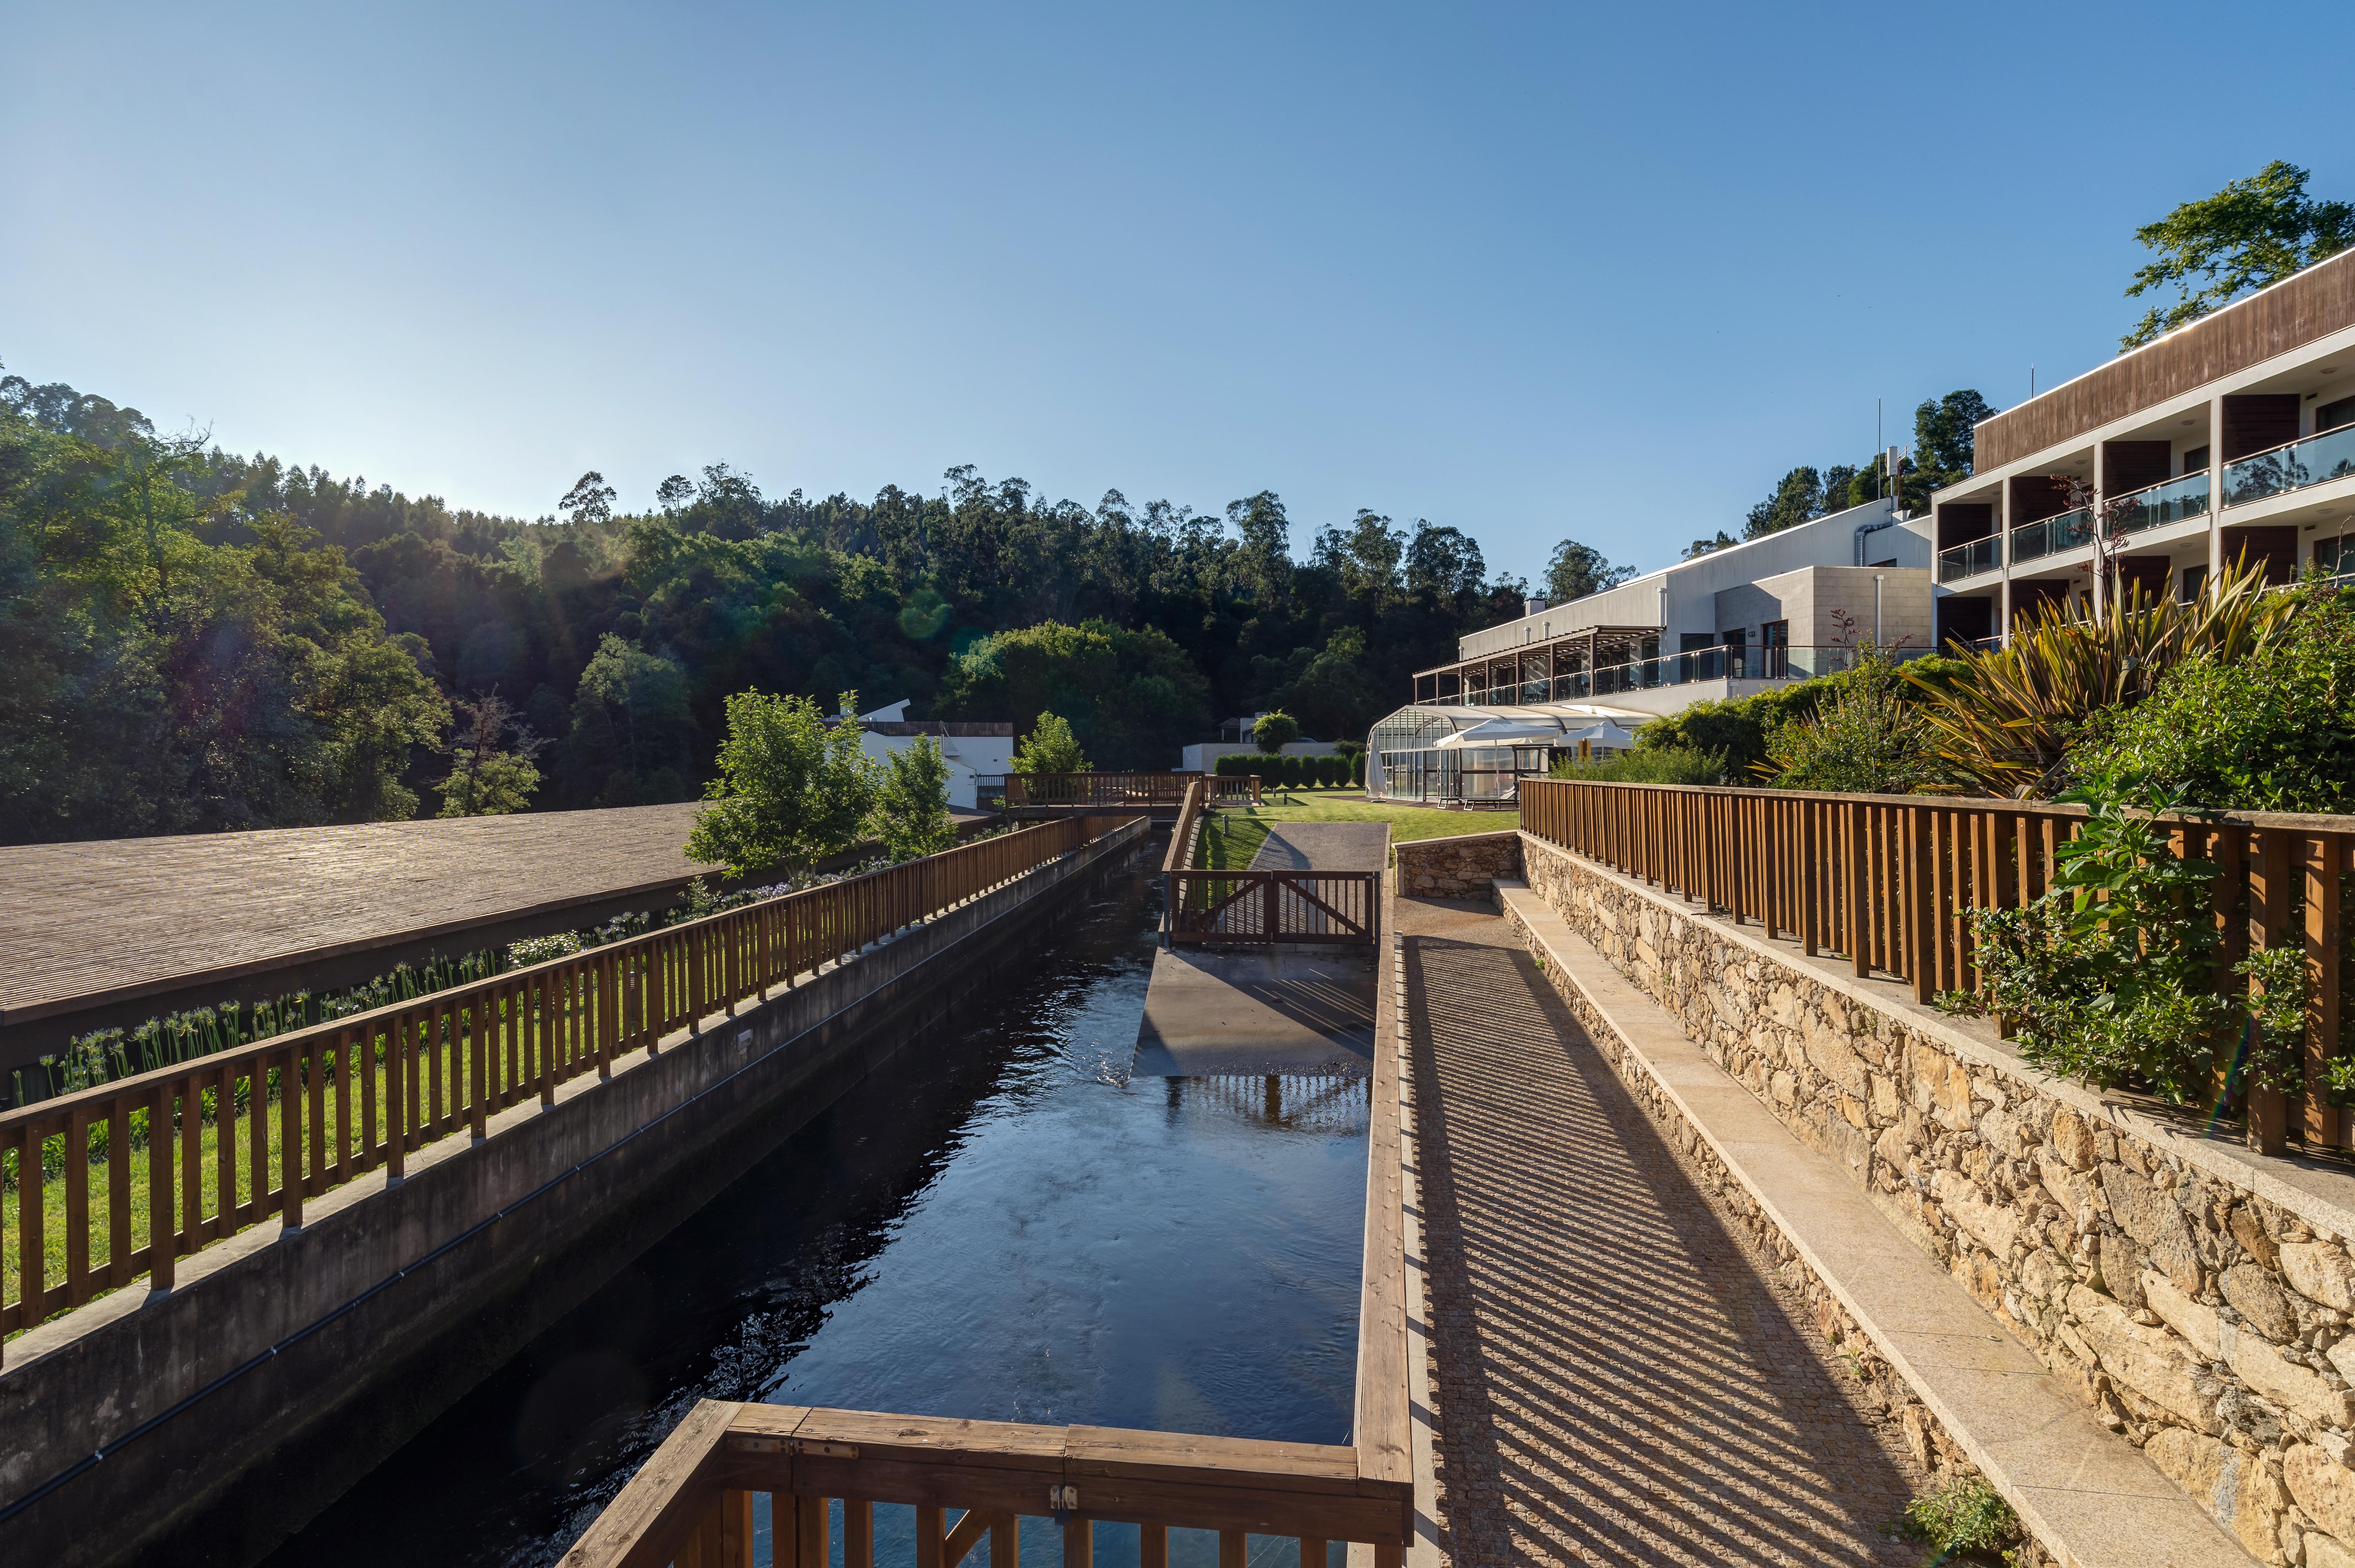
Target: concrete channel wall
point(286, 1365)
point(2198, 1297)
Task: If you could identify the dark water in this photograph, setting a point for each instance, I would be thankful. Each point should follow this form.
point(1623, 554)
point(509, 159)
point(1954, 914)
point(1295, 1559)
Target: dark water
point(988, 1228)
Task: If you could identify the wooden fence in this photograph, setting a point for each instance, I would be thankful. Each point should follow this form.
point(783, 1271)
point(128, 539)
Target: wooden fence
point(1886, 881)
point(1259, 908)
point(692, 1504)
point(190, 1152)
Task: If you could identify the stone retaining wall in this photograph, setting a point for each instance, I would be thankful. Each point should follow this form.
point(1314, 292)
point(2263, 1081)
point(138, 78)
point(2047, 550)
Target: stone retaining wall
point(2206, 1320)
point(1465, 866)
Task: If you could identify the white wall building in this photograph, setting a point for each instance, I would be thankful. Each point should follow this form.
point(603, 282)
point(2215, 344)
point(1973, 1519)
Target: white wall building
point(971, 748)
point(1730, 623)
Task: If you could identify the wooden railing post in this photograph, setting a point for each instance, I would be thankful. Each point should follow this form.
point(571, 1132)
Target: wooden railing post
point(163, 1150)
point(2323, 861)
point(2268, 915)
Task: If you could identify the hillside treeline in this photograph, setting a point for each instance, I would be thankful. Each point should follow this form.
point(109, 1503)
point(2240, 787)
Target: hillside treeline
point(195, 640)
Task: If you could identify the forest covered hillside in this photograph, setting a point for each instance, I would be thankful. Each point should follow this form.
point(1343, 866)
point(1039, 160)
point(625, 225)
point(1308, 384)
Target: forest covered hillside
point(199, 641)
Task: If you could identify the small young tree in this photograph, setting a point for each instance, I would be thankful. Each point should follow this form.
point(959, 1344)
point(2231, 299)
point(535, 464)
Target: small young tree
point(490, 775)
point(911, 805)
point(1049, 748)
point(1274, 731)
point(792, 789)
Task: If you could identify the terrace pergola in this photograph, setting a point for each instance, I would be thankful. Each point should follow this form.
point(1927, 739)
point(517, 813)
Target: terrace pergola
point(1559, 669)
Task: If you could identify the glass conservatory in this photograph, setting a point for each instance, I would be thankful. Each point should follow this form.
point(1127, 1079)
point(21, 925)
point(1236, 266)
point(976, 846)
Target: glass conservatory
point(1475, 756)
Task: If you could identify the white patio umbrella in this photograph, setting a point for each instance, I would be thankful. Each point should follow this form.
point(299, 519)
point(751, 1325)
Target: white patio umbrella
point(1606, 733)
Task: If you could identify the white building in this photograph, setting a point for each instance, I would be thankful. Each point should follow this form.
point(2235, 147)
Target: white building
point(2231, 439)
point(1730, 623)
point(971, 748)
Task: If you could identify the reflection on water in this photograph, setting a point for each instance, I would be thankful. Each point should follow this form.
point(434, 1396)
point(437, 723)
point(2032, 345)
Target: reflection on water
point(1002, 1225)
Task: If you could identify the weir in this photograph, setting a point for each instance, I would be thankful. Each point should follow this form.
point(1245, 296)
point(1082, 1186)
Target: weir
point(206, 1418)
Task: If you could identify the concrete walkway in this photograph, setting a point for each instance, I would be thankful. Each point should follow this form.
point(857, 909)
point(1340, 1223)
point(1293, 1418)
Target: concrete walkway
point(1324, 847)
point(1619, 1378)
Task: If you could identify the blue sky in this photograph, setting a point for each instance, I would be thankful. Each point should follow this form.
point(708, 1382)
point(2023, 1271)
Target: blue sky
point(1538, 272)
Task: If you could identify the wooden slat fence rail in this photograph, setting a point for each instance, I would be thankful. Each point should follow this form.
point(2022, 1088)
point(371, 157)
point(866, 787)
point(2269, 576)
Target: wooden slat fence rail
point(1338, 907)
point(693, 1504)
point(1106, 790)
point(196, 1151)
point(1885, 881)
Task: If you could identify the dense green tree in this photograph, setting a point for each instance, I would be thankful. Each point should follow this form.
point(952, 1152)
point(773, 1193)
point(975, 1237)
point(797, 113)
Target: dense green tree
point(911, 801)
point(155, 628)
point(1050, 748)
point(179, 660)
point(630, 726)
point(1576, 570)
point(1133, 698)
point(793, 789)
point(2253, 232)
point(1271, 732)
point(1798, 498)
point(491, 768)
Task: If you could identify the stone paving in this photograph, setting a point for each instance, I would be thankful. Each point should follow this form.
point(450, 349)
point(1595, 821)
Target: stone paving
point(1619, 1379)
point(84, 920)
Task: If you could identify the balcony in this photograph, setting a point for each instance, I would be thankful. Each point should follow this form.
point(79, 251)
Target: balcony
point(2050, 535)
point(2317, 460)
point(1970, 560)
point(2168, 501)
point(1673, 669)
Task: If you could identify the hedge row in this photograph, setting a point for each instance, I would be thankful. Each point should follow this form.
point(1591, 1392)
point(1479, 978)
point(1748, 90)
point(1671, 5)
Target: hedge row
point(1296, 773)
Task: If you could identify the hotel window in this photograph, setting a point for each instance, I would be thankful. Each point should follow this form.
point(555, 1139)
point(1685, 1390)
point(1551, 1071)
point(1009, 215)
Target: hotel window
point(2195, 460)
point(2195, 578)
point(2330, 416)
point(2335, 556)
point(1774, 645)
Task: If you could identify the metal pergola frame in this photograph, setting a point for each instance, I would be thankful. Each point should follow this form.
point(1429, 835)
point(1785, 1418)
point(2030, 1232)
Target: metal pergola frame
point(1590, 648)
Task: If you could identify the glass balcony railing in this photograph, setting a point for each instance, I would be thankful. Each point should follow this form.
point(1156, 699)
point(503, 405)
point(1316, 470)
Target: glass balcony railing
point(2317, 460)
point(2170, 501)
point(1669, 669)
point(2050, 535)
point(1970, 560)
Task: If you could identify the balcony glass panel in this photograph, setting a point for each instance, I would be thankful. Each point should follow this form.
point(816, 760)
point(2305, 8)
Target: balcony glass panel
point(2172, 501)
point(2317, 460)
point(2033, 541)
point(1970, 560)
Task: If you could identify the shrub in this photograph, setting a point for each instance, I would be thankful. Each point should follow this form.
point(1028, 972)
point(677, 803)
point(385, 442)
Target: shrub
point(1358, 770)
point(1287, 770)
point(1332, 772)
point(2108, 976)
point(2273, 730)
point(1049, 748)
point(1868, 736)
point(1680, 765)
point(1234, 765)
point(1966, 1514)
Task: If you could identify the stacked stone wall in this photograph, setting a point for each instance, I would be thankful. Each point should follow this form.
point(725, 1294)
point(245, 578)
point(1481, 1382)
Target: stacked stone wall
point(1465, 866)
point(2208, 1325)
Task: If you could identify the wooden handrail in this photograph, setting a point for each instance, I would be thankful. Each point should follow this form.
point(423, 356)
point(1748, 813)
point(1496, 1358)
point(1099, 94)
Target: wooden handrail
point(692, 1503)
point(1887, 880)
point(1261, 907)
point(295, 1115)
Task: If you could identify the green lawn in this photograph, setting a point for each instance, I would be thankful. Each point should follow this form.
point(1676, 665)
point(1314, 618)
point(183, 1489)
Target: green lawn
point(1235, 834)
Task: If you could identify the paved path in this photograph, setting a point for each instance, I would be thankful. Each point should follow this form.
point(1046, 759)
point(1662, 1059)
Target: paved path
point(1324, 847)
point(86, 919)
point(1619, 1378)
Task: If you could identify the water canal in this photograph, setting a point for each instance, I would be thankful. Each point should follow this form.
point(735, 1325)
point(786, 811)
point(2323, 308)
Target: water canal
point(1003, 1226)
